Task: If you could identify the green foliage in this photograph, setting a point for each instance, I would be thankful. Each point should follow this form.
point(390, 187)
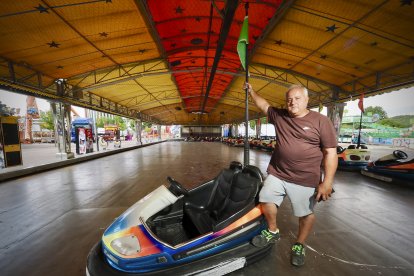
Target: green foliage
point(146, 125)
point(100, 122)
point(116, 120)
point(377, 110)
point(120, 122)
point(131, 123)
point(390, 123)
point(402, 121)
point(46, 119)
point(252, 124)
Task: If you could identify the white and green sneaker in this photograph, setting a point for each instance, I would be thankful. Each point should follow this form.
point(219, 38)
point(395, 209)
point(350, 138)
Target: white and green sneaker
point(265, 238)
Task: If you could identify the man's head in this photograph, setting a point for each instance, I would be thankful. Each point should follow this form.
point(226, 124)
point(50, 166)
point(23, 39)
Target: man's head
point(297, 101)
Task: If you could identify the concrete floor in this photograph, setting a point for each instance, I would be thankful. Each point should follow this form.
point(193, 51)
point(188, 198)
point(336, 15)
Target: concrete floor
point(49, 221)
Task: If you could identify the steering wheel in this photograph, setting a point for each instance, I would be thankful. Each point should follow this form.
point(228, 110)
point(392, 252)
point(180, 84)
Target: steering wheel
point(339, 149)
point(176, 188)
point(399, 154)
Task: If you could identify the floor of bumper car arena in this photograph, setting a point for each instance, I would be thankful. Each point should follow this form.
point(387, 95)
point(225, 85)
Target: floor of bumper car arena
point(49, 221)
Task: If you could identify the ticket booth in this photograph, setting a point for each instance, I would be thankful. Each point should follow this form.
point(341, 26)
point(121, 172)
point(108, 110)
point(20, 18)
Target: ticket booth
point(10, 149)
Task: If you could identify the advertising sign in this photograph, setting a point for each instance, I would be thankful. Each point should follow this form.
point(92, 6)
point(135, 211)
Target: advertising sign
point(89, 140)
point(82, 140)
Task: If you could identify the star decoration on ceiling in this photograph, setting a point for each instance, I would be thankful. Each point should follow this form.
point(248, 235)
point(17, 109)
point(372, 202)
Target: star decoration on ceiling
point(278, 42)
point(331, 28)
point(141, 51)
point(42, 9)
point(406, 2)
point(179, 10)
point(103, 34)
point(53, 44)
point(323, 56)
point(59, 67)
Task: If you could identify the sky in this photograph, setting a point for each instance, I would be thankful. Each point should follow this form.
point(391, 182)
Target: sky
point(400, 102)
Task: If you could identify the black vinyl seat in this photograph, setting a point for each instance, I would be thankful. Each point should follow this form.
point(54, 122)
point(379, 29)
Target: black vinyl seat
point(234, 196)
point(201, 216)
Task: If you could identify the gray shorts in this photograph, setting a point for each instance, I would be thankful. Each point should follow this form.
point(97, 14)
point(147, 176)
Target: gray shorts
point(302, 198)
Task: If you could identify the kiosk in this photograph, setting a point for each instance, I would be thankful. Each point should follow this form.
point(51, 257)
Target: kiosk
point(11, 154)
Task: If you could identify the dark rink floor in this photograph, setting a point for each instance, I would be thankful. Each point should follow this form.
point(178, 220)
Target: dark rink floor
point(49, 221)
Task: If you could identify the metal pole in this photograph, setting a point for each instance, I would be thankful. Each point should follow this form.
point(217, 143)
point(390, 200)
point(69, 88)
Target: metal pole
point(246, 134)
point(359, 132)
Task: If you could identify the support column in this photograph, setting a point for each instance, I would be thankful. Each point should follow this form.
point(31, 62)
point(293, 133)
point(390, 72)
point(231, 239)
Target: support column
point(138, 130)
point(95, 129)
point(61, 115)
point(335, 113)
point(258, 128)
point(159, 132)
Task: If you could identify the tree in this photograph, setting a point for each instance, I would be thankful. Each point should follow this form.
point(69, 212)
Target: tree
point(391, 123)
point(252, 124)
point(120, 122)
point(46, 119)
point(116, 120)
point(146, 125)
point(131, 123)
point(377, 110)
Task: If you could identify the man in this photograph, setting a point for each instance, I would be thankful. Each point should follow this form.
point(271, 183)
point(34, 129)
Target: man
point(305, 140)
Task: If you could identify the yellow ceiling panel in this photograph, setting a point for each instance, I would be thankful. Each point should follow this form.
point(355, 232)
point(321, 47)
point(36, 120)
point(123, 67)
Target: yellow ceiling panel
point(112, 51)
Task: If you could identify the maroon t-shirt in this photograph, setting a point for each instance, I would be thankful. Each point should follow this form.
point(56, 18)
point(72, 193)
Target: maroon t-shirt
point(298, 155)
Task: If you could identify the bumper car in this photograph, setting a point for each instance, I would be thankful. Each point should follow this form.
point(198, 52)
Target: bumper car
point(392, 168)
point(173, 231)
point(353, 158)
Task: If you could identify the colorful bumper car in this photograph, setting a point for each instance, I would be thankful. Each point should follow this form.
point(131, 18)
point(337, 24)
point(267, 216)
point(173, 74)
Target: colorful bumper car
point(394, 167)
point(172, 231)
point(353, 158)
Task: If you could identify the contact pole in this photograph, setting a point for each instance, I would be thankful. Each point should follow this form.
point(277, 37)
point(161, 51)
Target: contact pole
point(359, 132)
point(246, 133)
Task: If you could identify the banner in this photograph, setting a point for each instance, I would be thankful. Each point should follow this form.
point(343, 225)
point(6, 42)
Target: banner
point(243, 42)
point(361, 103)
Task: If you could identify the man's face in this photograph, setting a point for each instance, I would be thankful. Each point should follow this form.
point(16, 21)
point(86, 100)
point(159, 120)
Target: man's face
point(296, 102)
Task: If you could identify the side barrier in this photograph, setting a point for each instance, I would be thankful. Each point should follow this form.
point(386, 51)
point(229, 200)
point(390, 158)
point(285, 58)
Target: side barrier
point(403, 143)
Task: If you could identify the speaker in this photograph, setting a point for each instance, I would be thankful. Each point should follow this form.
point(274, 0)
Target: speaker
point(10, 142)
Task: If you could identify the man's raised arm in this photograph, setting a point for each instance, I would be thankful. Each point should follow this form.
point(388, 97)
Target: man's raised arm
point(260, 102)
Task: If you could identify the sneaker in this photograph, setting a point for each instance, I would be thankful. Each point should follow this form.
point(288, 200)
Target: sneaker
point(265, 238)
point(298, 254)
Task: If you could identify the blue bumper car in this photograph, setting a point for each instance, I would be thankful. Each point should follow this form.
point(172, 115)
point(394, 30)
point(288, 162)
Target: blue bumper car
point(173, 231)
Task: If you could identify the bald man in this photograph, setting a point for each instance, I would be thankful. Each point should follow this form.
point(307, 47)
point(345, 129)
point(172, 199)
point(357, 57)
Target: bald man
point(305, 145)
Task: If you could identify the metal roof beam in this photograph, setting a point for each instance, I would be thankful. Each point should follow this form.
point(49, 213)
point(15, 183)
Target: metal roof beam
point(230, 10)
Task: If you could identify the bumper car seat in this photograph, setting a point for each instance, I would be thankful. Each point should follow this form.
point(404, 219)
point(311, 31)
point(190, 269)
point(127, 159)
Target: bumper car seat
point(233, 196)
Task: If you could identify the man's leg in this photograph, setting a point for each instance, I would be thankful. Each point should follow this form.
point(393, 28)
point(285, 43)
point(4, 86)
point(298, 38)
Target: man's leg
point(303, 201)
point(298, 249)
point(271, 196)
point(270, 213)
point(305, 227)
